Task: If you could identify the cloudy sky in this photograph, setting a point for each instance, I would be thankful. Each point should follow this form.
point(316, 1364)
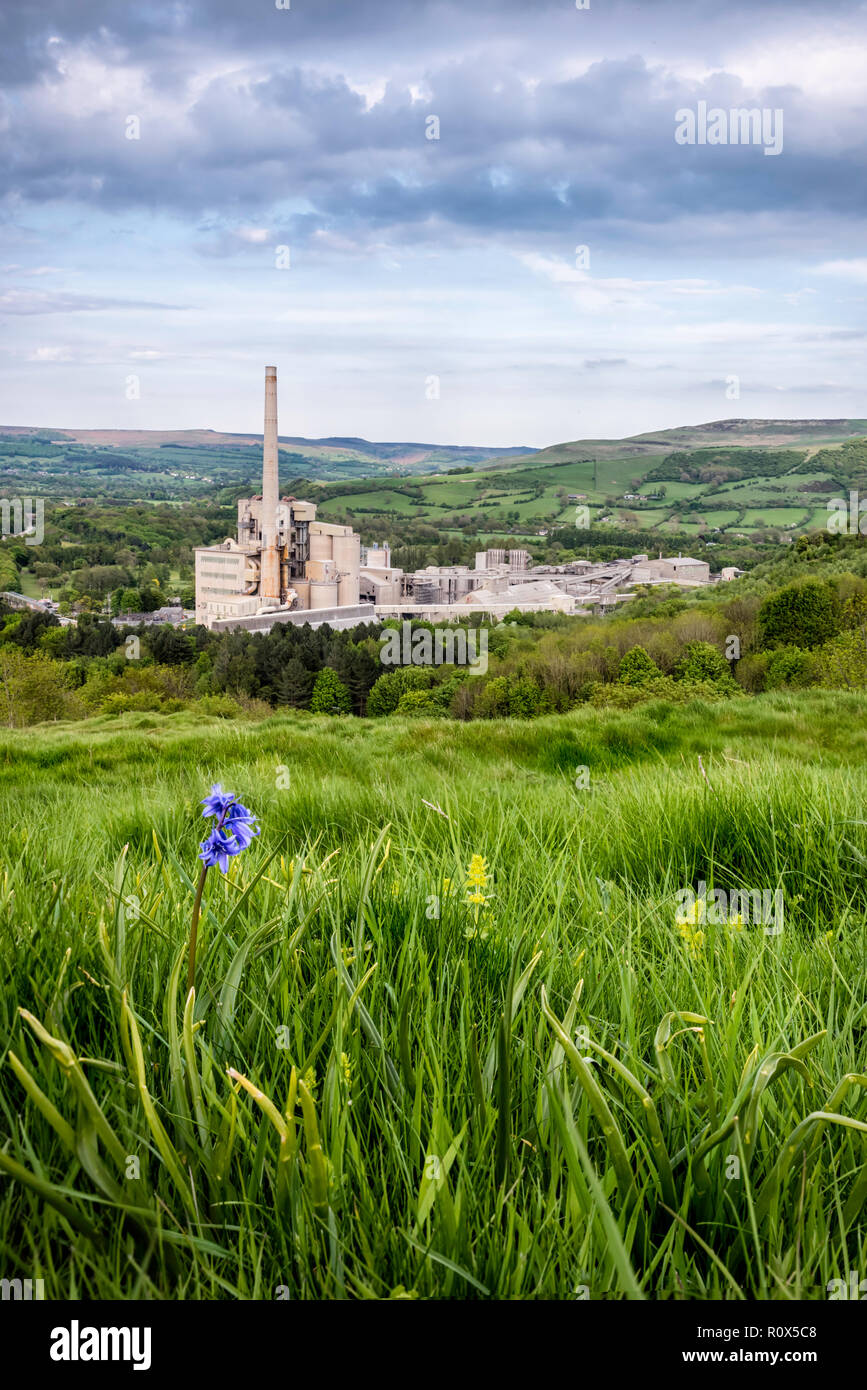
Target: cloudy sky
point(191, 190)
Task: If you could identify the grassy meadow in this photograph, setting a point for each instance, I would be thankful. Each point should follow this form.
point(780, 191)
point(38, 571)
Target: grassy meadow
point(448, 1039)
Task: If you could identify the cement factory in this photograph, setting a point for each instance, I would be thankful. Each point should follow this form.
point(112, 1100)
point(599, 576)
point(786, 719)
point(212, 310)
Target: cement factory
point(285, 566)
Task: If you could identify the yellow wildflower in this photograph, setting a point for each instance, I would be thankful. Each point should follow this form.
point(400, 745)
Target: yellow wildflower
point(693, 915)
point(477, 874)
point(347, 1073)
point(477, 879)
point(694, 939)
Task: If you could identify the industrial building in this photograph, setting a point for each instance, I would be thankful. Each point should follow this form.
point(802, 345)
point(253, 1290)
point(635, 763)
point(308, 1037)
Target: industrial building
point(678, 569)
point(283, 560)
point(285, 566)
point(503, 580)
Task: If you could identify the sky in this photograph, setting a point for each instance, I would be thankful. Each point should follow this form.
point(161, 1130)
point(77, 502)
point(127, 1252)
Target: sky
point(485, 222)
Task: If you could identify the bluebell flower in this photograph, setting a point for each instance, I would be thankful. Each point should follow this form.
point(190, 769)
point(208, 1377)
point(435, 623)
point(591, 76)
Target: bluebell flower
point(238, 815)
point(234, 831)
point(218, 803)
point(242, 833)
point(218, 849)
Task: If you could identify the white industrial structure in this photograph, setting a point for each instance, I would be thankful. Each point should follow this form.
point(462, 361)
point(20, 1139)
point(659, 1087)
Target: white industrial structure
point(283, 560)
point(285, 566)
point(503, 580)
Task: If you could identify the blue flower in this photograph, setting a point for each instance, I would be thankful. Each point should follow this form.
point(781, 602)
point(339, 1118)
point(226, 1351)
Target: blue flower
point(218, 803)
point(238, 815)
point(218, 849)
point(234, 832)
point(236, 826)
point(243, 833)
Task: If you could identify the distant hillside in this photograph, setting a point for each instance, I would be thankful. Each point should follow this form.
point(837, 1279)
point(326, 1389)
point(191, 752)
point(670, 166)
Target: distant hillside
point(722, 483)
point(768, 434)
point(334, 457)
point(727, 482)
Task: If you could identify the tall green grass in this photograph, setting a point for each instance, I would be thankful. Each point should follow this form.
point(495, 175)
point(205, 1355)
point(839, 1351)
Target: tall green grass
point(381, 1090)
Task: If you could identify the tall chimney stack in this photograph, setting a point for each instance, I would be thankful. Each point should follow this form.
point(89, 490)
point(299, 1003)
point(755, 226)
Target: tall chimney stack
point(269, 581)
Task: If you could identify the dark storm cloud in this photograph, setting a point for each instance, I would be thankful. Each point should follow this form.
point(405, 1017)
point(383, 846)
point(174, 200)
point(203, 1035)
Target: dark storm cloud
point(240, 120)
point(519, 158)
point(164, 31)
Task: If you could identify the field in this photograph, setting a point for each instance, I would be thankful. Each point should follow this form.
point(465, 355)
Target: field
point(764, 479)
point(406, 1074)
point(185, 465)
point(746, 485)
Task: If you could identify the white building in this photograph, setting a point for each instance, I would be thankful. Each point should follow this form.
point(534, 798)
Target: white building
point(283, 559)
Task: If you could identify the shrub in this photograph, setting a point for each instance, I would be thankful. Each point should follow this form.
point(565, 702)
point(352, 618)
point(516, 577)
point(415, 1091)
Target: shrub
point(790, 666)
point(223, 706)
point(664, 688)
point(386, 692)
point(702, 662)
point(330, 695)
point(843, 661)
point(32, 690)
point(511, 698)
point(803, 614)
point(751, 670)
point(419, 702)
point(637, 667)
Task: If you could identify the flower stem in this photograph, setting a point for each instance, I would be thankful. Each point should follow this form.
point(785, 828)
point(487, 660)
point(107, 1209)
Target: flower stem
point(191, 968)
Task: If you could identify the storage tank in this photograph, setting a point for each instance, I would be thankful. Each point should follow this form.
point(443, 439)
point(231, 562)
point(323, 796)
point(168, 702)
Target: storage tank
point(323, 593)
point(347, 589)
point(347, 553)
point(302, 589)
point(464, 584)
point(321, 569)
point(320, 544)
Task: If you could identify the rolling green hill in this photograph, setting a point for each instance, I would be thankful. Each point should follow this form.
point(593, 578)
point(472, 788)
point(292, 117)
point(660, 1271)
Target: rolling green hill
point(756, 479)
point(727, 481)
point(168, 464)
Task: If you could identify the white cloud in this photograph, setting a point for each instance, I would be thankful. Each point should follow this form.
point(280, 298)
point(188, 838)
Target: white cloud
point(826, 68)
point(599, 294)
point(848, 270)
point(50, 354)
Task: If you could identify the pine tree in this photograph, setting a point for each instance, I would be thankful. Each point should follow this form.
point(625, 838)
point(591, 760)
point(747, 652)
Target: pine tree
point(292, 684)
